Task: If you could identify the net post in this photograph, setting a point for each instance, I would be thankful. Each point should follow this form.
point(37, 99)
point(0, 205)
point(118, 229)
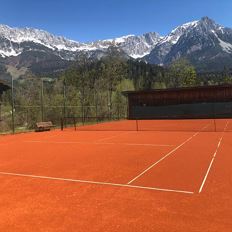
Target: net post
point(214, 118)
point(137, 126)
point(215, 128)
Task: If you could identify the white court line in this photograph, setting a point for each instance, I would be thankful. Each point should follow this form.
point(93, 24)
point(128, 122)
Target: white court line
point(111, 137)
point(48, 134)
point(126, 144)
point(95, 182)
point(214, 156)
point(6, 144)
point(139, 144)
point(164, 157)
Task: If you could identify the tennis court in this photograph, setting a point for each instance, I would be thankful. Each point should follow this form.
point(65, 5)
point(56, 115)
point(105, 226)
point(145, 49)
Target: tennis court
point(135, 175)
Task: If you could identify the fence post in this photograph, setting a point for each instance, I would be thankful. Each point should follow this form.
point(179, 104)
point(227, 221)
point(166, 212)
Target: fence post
point(62, 124)
point(12, 105)
point(41, 100)
point(64, 97)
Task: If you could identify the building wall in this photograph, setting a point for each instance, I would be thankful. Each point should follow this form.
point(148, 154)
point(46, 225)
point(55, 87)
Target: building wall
point(181, 103)
point(185, 111)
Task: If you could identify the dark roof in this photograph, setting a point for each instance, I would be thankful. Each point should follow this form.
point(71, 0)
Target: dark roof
point(3, 86)
point(216, 87)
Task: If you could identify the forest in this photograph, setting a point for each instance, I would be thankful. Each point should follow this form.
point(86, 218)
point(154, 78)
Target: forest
point(93, 89)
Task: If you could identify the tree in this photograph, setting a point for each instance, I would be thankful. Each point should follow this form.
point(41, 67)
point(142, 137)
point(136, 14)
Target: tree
point(227, 77)
point(181, 74)
point(113, 70)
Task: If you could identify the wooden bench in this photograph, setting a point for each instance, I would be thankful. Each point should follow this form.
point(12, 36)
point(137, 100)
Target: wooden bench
point(43, 126)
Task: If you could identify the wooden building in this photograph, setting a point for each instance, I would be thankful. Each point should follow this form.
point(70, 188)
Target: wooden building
point(191, 102)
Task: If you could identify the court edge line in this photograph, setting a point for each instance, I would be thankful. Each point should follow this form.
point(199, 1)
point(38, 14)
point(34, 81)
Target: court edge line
point(211, 163)
point(164, 157)
point(126, 144)
point(96, 182)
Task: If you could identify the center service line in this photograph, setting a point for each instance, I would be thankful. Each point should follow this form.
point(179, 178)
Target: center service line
point(164, 157)
point(214, 156)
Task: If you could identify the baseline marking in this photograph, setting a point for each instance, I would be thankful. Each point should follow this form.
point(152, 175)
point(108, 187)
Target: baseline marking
point(214, 156)
point(95, 182)
point(164, 157)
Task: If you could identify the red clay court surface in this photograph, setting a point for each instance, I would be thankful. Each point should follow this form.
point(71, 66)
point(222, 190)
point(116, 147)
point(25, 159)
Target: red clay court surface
point(163, 181)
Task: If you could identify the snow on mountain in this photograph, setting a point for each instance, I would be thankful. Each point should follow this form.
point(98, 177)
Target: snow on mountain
point(175, 34)
point(201, 41)
point(164, 46)
point(20, 35)
point(134, 46)
point(137, 46)
point(227, 47)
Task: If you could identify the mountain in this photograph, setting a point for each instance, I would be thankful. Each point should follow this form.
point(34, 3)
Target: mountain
point(206, 44)
point(42, 52)
point(15, 41)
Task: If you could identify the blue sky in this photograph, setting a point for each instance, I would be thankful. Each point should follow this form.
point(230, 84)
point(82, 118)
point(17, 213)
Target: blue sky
point(89, 20)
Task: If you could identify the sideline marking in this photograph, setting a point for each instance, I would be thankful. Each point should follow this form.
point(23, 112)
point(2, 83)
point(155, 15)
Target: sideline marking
point(95, 182)
point(214, 156)
point(126, 144)
point(164, 157)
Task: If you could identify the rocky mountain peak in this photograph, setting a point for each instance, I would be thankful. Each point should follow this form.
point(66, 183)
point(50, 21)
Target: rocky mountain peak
point(200, 41)
point(208, 24)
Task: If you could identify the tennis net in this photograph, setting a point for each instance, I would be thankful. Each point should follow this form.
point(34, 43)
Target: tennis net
point(115, 124)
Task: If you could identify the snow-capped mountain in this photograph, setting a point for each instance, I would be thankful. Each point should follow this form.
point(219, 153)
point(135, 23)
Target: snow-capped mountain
point(136, 46)
point(204, 42)
point(12, 43)
point(164, 46)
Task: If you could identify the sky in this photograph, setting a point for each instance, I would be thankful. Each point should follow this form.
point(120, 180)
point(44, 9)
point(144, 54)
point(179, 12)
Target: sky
point(90, 20)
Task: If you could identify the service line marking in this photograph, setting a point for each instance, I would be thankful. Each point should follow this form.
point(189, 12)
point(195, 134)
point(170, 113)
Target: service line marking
point(126, 144)
point(214, 156)
point(139, 144)
point(114, 136)
point(6, 144)
point(168, 154)
point(95, 182)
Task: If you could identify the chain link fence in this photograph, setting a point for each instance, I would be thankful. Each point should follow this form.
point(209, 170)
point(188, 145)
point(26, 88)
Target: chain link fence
point(51, 100)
